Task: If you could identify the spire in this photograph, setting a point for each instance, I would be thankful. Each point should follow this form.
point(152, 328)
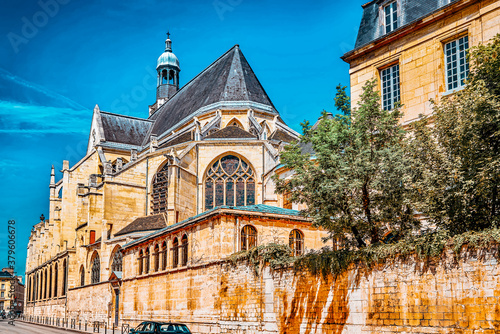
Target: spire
point(52, 177)
point(168, 43)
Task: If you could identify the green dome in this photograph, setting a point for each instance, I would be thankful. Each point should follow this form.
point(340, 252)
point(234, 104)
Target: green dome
point(168, 58)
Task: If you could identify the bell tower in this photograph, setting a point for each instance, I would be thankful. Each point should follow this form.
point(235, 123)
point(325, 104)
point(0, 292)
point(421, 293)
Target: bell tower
point(168, 69)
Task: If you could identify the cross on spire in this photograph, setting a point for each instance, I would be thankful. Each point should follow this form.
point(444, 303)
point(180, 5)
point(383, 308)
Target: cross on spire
point(168, 34)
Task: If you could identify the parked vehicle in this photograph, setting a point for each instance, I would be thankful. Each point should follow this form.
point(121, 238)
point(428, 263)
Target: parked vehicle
point(154, 327)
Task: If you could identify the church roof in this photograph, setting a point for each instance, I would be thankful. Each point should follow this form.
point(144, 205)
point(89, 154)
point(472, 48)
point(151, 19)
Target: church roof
point(229, 79)
point(148, 223)
point(231, 132)
point(124, 129)
point(283, 136)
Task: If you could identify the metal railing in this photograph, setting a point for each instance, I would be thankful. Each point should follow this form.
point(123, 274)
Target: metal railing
point(79, 324)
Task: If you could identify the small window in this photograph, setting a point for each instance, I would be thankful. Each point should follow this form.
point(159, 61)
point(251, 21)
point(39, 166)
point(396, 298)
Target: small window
point(391, 17)
point(82, 276)
point(175, 253)
point(184, 242)
point(92, 237)
point(139, 260)
point(164, 256)
point(248, 237)
point(457, 66)
point(390, 87)
point(156, 258)
point(146, 261)
point(296, 242)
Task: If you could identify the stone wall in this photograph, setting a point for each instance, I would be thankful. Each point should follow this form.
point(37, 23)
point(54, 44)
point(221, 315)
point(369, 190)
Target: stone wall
point(448, 296)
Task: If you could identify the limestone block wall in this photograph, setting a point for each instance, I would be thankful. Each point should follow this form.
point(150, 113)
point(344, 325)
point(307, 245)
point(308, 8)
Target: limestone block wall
point(448, 296)
point(91, 302)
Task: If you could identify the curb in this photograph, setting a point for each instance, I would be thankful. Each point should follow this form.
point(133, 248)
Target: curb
point(55, 327)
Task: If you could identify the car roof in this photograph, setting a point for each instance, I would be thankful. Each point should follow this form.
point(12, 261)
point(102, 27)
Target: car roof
point(163, 323)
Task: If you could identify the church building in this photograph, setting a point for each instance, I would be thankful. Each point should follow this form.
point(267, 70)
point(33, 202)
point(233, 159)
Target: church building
point(141, 227)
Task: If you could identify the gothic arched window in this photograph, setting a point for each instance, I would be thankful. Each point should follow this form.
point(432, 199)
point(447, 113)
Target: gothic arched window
point(56, 280)
point(164, 256)
point(248, 237)
point(184, 242)
point(50, 282)
point(159, 194)
point(96, 270)
point(156, 255)
point(146, 261)
point(116, 264)
point(141, 257)
point(82, 276)
point(175, 253)
point(296, 242)
point(65, 277)
point(229, 181)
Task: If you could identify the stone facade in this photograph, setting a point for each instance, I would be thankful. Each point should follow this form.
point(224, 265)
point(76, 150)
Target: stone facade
point(449, 295)
point(194, 179)
point(418, 49)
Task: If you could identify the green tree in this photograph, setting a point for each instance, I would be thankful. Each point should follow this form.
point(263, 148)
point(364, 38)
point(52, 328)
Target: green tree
point(456, 150)
point(355, 184)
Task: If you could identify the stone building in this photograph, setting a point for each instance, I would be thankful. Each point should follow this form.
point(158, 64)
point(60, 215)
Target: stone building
point(416, 50)
point(157, 204)
point(8, 297)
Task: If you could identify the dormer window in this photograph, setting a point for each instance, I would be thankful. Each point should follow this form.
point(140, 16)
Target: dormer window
point(391, 17)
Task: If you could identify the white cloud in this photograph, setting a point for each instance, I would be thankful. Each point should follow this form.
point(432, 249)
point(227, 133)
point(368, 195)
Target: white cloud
point(22, 118)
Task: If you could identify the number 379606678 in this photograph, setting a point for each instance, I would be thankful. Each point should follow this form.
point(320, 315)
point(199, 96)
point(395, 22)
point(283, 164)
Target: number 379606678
point(11, 244)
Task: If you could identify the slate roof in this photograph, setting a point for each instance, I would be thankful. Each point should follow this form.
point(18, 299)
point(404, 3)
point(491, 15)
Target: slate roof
point(5, 274)
point(410, 11)
point(124, 129)
point(233, 132)
point(148, 223)
point(281, 135)
point(229, 78)
point(183, 138)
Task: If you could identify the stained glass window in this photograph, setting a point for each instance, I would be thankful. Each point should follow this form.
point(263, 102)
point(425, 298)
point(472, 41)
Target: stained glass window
point(116, 265)
point(96, 270)
point(248, 237)
point(296, 242)
point(159, 193)
point(229, 181)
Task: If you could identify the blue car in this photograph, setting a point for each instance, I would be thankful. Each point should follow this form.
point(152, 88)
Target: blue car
point(154, 327)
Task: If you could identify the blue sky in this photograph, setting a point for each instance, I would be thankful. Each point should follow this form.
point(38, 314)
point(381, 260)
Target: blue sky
point(58, 58)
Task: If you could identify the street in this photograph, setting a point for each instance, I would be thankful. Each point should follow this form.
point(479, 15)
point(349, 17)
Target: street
point(24, 328)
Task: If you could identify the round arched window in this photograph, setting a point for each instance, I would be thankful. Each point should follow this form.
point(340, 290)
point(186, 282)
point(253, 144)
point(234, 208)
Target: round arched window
point(296, 242)
point(229, 181)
